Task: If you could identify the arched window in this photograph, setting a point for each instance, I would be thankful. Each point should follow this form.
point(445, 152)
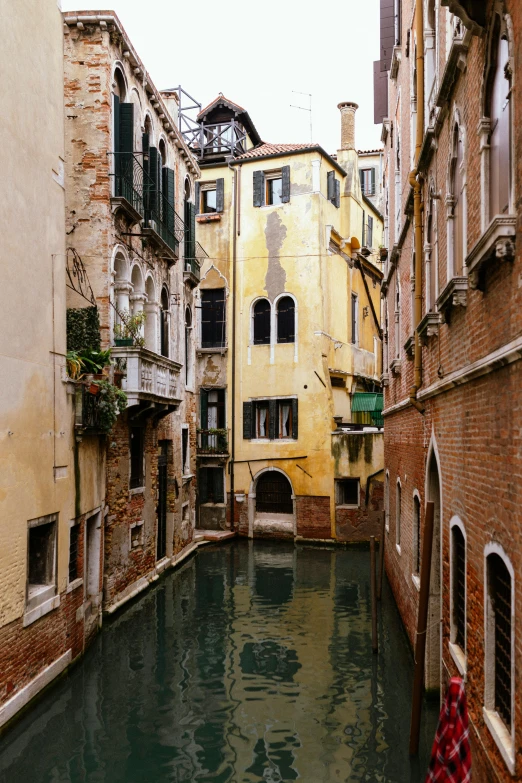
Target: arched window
point(164, 323)
point(188, 347)
point(286, 320)
point(456, 205)
point(397, 318)
point(499, 638)
point(398, 515)
point(119, 82)
point(499, 109)
point(458, 587)
point(274, 493)
point(430, 47)
point(261, 322)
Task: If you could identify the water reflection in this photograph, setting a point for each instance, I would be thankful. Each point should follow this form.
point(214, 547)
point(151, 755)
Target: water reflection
point(252, 663)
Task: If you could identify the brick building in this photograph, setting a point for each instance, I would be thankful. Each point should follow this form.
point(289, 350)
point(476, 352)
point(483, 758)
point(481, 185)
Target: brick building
point(453, 340)
point(129, 210)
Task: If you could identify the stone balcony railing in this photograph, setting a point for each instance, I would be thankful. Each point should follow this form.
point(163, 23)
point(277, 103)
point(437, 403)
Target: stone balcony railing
point(147, 375)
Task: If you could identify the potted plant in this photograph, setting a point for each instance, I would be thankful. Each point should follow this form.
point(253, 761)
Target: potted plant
point(128, 331)
point(112, 402)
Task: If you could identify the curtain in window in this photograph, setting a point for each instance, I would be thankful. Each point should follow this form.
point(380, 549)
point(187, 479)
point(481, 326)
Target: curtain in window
point(285, 420)
point(263, 421)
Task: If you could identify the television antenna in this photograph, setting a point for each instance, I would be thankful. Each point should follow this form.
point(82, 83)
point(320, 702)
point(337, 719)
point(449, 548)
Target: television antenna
point(305, 108)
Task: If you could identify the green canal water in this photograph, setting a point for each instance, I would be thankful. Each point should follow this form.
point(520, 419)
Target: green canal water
point(251, 663)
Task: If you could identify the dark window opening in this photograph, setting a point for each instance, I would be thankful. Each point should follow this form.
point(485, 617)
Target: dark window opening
point(164, 323)
point(208, 201)
point(500, 596)
point(211, 485)
point(339, 383)
point(213, 317)
point(286, 320)
point(262, 313)
point(184, 451)
point(274, 191)
point(188, 347)
point(354, 318)
point(459, 587)
point(347, 492)
point(416, 532)
point(73, 552)
point(136, 457)
point(274, 494)
point(41, 566)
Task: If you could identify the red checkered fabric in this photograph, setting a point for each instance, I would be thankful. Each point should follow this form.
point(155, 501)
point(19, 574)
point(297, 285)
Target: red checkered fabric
point(451, 756)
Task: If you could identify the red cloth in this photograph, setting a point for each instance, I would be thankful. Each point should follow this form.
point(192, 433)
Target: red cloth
point(451, 756)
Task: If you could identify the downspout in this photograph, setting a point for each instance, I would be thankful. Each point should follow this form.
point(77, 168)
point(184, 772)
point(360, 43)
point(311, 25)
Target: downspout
point(415, 182)
point(235, 191)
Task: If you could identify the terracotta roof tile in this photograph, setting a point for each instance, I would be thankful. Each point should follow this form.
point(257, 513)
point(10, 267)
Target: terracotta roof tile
point(273, 149)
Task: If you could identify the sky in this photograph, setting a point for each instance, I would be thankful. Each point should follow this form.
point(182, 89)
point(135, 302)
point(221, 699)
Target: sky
point(257, 54)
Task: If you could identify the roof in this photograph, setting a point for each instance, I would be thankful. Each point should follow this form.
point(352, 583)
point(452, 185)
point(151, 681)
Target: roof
point(219, 100)
point(265, 150)
point(242, 113)
point(370, 152)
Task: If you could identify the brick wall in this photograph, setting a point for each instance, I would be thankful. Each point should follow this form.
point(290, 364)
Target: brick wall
point(358, 524)
point(313, 516)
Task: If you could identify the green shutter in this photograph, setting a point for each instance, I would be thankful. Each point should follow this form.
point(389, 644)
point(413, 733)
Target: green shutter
point(203, 401)
point(203, 485)
point(168, 201)
point(219, 493)
point(197, 198)
point(363, 242)
point(192, 229)
point(153, 179)
point(273, 429)
point(330, 186)
point(248, 420)
point(127, 127)
point(337, 197)
point(361, 178)
point(220, 194)
point(295, 422)
point(259, 186)
point(373, 182)
point(285, 184)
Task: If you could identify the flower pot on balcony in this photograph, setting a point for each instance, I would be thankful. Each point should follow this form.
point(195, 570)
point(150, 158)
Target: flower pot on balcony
point(94, 388)
point(120, 341)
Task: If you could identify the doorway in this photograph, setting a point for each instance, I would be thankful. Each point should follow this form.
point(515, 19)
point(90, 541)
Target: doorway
point(433, 633)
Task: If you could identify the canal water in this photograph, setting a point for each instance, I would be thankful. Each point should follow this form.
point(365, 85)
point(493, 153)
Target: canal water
point(251, 663)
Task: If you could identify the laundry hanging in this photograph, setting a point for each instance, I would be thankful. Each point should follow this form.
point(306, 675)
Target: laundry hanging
point(451, 756)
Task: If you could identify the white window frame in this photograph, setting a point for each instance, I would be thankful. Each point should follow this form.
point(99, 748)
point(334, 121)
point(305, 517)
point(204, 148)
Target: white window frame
point(504, 739)
point(203, 187)
point(46, 599)
point(458, 654)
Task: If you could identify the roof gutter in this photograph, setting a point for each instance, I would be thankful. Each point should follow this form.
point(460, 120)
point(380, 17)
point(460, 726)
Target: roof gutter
point(305, 150)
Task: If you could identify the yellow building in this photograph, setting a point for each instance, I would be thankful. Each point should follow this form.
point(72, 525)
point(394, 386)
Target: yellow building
point(288, 332)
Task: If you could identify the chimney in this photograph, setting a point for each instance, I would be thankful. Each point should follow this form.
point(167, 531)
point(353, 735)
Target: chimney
point(347, 109)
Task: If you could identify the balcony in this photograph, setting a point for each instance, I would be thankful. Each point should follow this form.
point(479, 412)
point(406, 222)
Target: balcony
point(148, 376)
point(129, 181)
point(162, 225)
point(212, 443)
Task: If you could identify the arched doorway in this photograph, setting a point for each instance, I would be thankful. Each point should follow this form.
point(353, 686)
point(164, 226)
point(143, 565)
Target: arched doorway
point(433, 633)
point(272, 509)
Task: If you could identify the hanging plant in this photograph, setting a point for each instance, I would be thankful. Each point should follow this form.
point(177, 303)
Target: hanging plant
point(111, 402)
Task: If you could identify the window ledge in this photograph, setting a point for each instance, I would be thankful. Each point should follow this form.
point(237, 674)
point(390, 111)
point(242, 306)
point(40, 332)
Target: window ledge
point(395, 62)
point(187, 478)
point(273, 440)
point(395, 366)
point(385, 379)
point(415, 578)
point(208, 217)
point(210, 504)
point(459, 658)
point(455, 294)
point(496, 244)
point(409, 347)
point(428, 327)
point(221, 350)
point(502, 737)
point(44, 608)
point(345, 505)
point(74, 584)
point(137, 491)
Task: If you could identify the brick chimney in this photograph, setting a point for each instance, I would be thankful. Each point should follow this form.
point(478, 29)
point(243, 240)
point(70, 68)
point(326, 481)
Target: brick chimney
point(347, 109)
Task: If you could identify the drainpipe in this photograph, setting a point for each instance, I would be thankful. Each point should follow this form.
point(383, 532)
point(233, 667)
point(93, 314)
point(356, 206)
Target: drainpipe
point(236, 194)
point(415, 182)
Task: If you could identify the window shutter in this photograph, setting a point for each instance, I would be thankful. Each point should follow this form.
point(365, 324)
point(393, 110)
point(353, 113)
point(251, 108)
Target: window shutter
point(337, 200)
point(219, 494)
point(285, 184)
point(273, 429)
point(361, 177)
point(127, 127)
point(221, 417)
point(220, 194)
point(373, 182)
point(203, 402)
point(203, 485)
point(259, 185)
point(192, 212)
point(295, 421)
point(370, 231)
point(197, 198)
point(153, 179)
point(248, 420)
point(145, 144)
point(363, 243)
point(116, 123)
point(126, 143)
point(330, 185)
point(168, 198)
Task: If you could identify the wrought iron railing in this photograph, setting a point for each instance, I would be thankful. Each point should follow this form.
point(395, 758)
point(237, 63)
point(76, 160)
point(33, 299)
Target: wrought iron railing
point(161, 216)
point(129, 179)
point(212, 442)
point(87, 416)
point(195, 258)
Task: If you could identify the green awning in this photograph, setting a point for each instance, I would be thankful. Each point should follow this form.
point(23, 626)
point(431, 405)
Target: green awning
point(369, 402)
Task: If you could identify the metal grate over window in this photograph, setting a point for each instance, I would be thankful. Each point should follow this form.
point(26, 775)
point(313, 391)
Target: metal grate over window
point(459, 587)
point(500, 595)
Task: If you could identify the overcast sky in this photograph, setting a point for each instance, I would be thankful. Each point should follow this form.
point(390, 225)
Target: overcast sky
point(257, 53)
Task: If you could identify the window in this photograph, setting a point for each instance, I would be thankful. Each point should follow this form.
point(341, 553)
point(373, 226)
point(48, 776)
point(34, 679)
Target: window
point(164, 323)
point(41, 561)
point(499, 641)
point(458, 587)
point(213, 318)
point(499, 105)
point(416, 535)
point(456, 204)
point(212, 409)
point(338, 382)
point(355, 318)
point(261, 326)
point(188, 346)
point(286, 320)
point(270, 419)
point(333, 189)
point(185, 462)
point(271, 187)
point(347, 492)
point(136, 457)
point(398, 514)
point(211, 485)
point(367, 181)
point(74, 536)
point(208, 200)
